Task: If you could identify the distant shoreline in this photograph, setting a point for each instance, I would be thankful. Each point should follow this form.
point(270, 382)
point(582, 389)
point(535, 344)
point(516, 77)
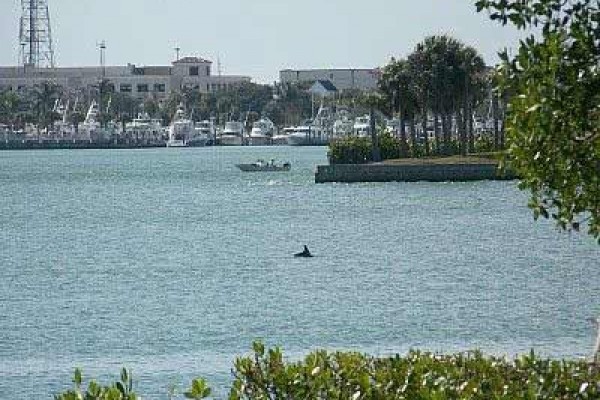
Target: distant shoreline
point(47, 145)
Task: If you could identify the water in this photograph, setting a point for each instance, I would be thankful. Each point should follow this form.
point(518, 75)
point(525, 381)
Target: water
point(171, 262)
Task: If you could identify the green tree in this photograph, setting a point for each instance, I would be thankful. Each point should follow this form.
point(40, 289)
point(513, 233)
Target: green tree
point(398, 89)
point(75, 118)
point(442, 79)
point(9, 107)
point(553, 115)
point(44, 98)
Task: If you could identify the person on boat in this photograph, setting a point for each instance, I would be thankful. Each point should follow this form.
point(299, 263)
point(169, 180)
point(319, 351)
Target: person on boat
point(304, 253)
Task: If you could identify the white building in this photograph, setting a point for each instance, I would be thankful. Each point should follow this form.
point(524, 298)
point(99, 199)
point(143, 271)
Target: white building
point(154, 81)
point(342, 79)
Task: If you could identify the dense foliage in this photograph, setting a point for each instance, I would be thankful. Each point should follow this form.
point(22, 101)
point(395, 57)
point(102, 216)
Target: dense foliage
point(359, 150)
point(266, 374)
point(553, 120)
point(441, 79)
point(122, 389)
point(347, 375)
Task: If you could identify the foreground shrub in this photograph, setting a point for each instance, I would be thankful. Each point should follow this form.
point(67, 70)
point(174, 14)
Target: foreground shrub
point(122, 389)
point(347, 375)
point(265, 375)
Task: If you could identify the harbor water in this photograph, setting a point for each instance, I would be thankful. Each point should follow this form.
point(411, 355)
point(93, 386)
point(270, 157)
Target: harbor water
point(172, 261)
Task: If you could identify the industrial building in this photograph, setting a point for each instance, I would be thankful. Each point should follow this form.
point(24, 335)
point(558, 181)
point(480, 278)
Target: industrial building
point(38, 66)
point(140, 82)
point(342, 79)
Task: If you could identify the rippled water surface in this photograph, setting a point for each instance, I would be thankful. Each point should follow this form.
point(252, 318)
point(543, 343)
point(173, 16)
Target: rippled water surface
point(171, 262)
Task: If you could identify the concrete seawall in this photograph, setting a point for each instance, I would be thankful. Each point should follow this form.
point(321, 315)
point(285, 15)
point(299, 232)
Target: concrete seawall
point(409, 172)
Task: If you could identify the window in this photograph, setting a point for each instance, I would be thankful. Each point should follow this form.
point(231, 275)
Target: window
point(194, 71)
point(125, 88)
point(159, 87)
point(142, 88)
point(207, 70)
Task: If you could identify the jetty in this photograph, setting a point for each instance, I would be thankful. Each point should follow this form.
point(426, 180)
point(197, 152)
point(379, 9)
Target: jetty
point(445, 169)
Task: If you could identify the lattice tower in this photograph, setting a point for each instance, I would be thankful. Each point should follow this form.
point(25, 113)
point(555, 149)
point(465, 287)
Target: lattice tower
point(35, 34)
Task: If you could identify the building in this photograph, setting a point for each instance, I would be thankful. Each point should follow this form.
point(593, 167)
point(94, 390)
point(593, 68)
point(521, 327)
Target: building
point(342, 79)
point(323, 88)
point(140, 82)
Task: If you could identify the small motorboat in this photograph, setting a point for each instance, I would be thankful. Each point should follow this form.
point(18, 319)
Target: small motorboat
point(265, 166)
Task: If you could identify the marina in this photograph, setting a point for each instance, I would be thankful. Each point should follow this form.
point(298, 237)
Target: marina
point(220, 205)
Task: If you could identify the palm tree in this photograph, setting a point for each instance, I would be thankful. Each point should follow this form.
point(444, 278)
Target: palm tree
point(396, 84)
point(9, 107)
point(44, 98)
point(420, 70)
point(473, 77)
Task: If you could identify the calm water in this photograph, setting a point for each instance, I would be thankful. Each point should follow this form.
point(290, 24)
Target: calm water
point(171, 262)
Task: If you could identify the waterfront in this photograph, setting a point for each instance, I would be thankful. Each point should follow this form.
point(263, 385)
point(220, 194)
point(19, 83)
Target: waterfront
point(171, 261)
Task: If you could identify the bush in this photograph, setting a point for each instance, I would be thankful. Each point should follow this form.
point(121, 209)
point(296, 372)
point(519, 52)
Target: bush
point(122, 389)
point(351, 150)
point(347, 375)
point(359, 150)
point(265, 374)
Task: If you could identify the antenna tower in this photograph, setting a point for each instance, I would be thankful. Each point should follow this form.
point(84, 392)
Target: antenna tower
point(35, 34)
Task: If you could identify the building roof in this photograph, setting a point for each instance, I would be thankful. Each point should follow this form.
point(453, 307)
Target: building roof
point(192, 60)
point(327, 69)
point(327, 85)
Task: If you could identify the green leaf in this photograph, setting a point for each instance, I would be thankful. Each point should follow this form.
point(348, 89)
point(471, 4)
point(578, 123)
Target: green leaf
point(77, 377)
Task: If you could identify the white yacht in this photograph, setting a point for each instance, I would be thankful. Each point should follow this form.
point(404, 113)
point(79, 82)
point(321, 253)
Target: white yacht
point(362, 126)
point(300, 135)
point(281, 138)
point(393, 126)
point(180, 130)
point(343, 124)
point(316, 132)
point(262, 132)
point(233, 134)
point(203, 134)
point(62, 128)
point(91, 130)
point(145, 129)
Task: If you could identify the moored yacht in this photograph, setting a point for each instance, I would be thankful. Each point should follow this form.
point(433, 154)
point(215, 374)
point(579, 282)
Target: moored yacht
point(342, 126)
point(362, 126)
point(281, 138)
point(203, 134)
point(233, 134)
point(262, 132)
point(91, 130)
point(145, 129)
point(180, 130)
point(300, 135)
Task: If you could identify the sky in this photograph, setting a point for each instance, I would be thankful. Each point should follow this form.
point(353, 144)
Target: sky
point(256, 38)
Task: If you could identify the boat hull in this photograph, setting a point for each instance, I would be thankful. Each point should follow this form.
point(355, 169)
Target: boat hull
point(176, 143)
point(229, 140)
point(263, 168)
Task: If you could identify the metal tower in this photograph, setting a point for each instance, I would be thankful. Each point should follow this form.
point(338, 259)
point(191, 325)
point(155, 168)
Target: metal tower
point(35, 34)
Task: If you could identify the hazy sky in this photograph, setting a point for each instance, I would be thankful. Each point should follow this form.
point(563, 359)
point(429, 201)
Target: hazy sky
point(253, 37)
